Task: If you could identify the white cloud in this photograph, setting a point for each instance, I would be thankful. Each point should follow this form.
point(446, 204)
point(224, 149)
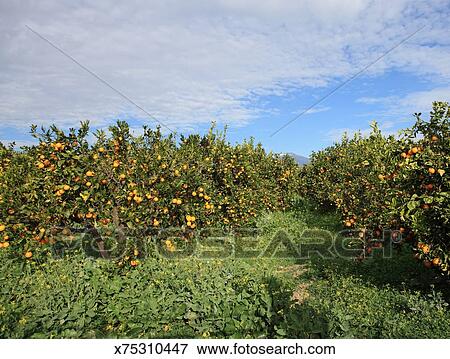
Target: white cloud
point(396, 111)
point(192, 62)
point(313, 110)
point(336, 134)
point(416, 101)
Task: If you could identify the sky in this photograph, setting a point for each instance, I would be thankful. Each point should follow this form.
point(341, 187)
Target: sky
point(249, 65)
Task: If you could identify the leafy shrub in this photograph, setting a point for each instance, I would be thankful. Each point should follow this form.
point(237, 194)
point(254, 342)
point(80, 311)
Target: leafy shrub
point(355, 309)
point(80, 298)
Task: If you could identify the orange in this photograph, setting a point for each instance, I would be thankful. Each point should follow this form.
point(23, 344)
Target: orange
point(28, 254)
point(431, 170)
point(436, 261)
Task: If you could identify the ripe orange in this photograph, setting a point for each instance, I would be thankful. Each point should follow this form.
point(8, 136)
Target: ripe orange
point(414, 150)
point(434, 138)
point(431, 170)
point(28, 254)
point(436, 261)
point(90, 174)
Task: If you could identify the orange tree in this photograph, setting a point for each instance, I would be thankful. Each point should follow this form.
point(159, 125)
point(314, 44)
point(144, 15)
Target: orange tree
point(399, 184)
point(135, 182)
point(421, 191)
point(351, 176)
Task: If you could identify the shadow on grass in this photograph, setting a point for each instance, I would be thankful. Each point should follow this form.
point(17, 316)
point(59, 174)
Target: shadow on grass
point(399, 270)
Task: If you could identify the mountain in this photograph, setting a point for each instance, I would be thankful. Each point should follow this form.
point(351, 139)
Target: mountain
point(301, 160)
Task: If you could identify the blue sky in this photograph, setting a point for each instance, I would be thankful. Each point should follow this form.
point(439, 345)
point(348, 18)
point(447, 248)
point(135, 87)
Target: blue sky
point(252, 66)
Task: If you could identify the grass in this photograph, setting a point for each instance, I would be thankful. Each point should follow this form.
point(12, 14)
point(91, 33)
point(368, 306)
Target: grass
point(291, 285)
point(380, 297)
